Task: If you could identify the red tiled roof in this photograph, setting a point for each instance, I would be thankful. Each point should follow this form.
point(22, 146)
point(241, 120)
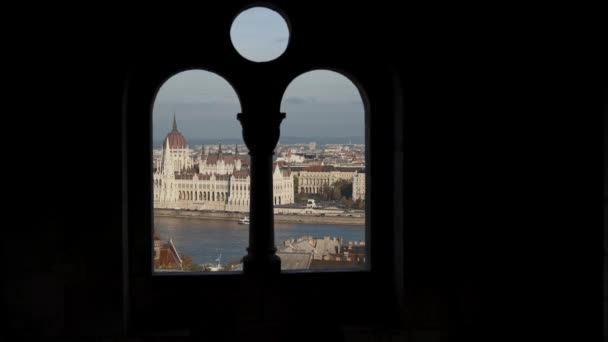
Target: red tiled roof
point(241, 174)
point(227, 158)
point(168, 258)
point(187, 176)
point(319, 168)
point(212, 159)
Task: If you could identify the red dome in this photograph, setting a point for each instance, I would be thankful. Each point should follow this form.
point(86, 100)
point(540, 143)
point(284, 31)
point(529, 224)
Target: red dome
point(176, 140)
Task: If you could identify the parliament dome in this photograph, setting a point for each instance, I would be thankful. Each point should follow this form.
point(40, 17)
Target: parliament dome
point(175, 138)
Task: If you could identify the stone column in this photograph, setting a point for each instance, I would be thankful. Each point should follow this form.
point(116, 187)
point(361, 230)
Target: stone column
point(261, 134)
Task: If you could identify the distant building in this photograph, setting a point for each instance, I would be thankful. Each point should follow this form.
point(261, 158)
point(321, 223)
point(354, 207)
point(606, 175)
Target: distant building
point(295, 260)
point(291, 158)
point(312, 179)
point(359, 186)
point(314, 253)
point(332, 148)
point(213, 181)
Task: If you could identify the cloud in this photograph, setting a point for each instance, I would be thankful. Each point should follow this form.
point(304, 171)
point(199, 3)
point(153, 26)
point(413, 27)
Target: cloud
point(297, 100)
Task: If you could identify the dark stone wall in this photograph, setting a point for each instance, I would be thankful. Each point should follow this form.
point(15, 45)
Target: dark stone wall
point(495, 174)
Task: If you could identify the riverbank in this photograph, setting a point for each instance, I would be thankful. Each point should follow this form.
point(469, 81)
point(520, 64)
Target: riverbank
point(288, 218)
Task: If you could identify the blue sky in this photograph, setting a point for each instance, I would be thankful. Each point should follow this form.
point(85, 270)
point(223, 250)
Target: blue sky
point(259, 34)
point(320, 103)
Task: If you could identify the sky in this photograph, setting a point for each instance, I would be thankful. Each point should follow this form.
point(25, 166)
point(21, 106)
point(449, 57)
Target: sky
point(319, 103)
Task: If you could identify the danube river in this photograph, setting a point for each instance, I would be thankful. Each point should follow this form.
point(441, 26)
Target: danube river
point(205, 239)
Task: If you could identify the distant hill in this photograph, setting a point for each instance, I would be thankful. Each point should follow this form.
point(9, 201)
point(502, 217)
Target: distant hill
point(322, 140)
point(192, 142)
point(282, 140)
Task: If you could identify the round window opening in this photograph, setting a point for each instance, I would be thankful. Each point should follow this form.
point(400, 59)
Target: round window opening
point(259, 34)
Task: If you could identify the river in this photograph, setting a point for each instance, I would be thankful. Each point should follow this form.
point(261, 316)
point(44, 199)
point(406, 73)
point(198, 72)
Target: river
point(205, 239)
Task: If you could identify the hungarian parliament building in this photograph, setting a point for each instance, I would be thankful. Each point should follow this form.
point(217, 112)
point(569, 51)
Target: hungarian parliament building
point(211, 181)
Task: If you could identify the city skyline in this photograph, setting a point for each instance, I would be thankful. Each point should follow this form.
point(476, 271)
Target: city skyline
point(284, 140)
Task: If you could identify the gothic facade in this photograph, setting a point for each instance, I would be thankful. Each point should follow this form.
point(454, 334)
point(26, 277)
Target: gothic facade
point(212, 181)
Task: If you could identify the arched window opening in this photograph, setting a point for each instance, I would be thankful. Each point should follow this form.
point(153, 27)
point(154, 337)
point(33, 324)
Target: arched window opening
point(196, 143)
point(259, 42)
point(322, 146)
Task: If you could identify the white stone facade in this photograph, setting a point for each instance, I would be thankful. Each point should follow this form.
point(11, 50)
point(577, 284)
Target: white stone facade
point(312, 181)
point(282, 186)
point(213, 182)
point(359, 186)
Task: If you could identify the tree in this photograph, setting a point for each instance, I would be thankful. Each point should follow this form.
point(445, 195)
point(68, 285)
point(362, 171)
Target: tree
point(359, 204)
point(187, 263)
point(326, 192)
point(345, 188)
point(336, 193)
point(348, 203)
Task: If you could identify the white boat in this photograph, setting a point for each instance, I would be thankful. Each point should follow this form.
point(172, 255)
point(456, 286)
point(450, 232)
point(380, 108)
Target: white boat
point(244, 220)
point(218, 267)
